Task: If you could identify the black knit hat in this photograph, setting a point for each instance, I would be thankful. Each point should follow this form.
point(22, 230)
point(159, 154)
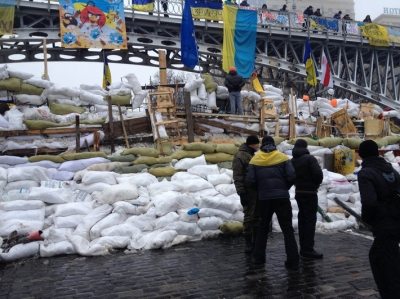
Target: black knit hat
point(368, 148)
point(268, 139)
point(252, 140)
point(301, 143)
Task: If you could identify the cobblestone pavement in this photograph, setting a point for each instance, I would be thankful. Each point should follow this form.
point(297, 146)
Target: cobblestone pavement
point(215, 268)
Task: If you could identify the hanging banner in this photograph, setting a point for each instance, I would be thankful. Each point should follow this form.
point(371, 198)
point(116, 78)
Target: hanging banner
point(394, 35)
point(377, 34)
point(299, 18)
point(331, 25)
point(206, 9)
point(143, 5)
point(7, 8)
point(93, 24)
point(274, 18)
point(352, 28)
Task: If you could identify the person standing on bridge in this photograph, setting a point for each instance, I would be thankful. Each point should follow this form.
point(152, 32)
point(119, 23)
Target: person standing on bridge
point(367, 19)
point(338, 15)
point(307, 14)
point(244, 3)
point(234, 82)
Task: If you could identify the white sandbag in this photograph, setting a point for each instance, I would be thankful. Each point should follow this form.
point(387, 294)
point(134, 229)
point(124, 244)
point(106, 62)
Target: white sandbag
point(182, 228)
point(161, 129)
point(106, 222)
point(184, 216)
point(20, 251)
point(187, 163)
point(143, 222)
point(355, 197)
point(217, 179)
point(161, 239)
point(71, 221)
point(28, 173)
point(222, 96)
point(333, 176)
point(29, 99)
point(193, 85)
point(51, 195)
point(133, 81)
point(3, 122)
point(3, 72)
point(340, 187)
point(91, 177)
point(61, 175)
point(19, 194)
point(227, 171)
point(208, 212)
point(205, 192)
point(29, 215)
point(127, 207)
point(209, 223)
point(218, 203)
point(138, 179)
point(39, 82)
point(272, 88)
point(15, 122)
point(324, 227)
point(21, 205)
point(125, 191)
point(202, 92)
point(163, 186)
point(18, 74)
point(343, 197)
point(139, 98)
point(143, 199)
point(195, 100)
point(91, 219)
point(55, 235)
point(119, 85)
point(76, 165)
point(163, 221)
point(196, 185)
point(18, 185)
point(64, 90)
point(116, 242)
point(171, 201)
point(123, 230)
point(120, 92)
point(73, 208)
point(203, 170)
point(60, 248)
point(238, 216)
point(222, 89)
point(44, 164)
point(91, 98)
point(212, 100)
point(82, 246)
point(183, 176)
point(22, 226)
point(226, 189)
point(255, 96)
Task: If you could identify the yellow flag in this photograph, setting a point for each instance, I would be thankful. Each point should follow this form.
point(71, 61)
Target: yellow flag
point(106, 73)
point(7, 8)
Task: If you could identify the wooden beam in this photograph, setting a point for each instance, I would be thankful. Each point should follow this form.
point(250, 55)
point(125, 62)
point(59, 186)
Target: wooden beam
point(189, 117)
point(77, 135)
point(225, 126)
point(111, 124)
point(48, 131)
point(163, 66)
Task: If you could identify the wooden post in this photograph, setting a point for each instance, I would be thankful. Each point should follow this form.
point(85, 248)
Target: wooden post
point(110, 119)
point(292, 126)
point(77, 135)
point(294, 103)
point(123, 126)
point(96, 141)
point(277, 126)
point(262, 115)
point(162, 66)
point(87, 145)
point(46, 72)
point(189, 117)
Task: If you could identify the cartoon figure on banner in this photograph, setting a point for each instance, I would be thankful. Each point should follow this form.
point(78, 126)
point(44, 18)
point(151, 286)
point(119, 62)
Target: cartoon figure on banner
point(93, 19)
point(69, 21)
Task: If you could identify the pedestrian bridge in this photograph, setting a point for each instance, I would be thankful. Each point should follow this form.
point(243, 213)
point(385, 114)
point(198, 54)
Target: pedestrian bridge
point(360, 71)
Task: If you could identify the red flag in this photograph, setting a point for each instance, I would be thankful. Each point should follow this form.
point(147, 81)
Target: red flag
point(326, 78)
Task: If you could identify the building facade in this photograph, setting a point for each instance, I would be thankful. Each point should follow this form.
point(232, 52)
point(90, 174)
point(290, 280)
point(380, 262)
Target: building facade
point(389, 17)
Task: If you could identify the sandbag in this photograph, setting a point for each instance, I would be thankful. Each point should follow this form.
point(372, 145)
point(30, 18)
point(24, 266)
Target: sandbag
point(20, 251)
point(389, 140)
point(82, 246)
point(126, 158)
point(180, 154)
point(107, 167)
point(227, 165)
point(206, 148)
point(91, 177)
point(21, 226)
point(59, 248)
point(232, 229)
point(187, 163)
point(92, 187)
point(123, 100)
point(352, 143)
point(209, 223)
point(140, 179)
point(203, 170)
point(61, 109)
point(106, 222)
point(226, 189)
point(28, 99)
point(73, 208)
point(120, 192)
point(218, 203)
point(218, 157)
point(193, 84)
point(19, 194)
point(134, 82)
point(151, 160)
point(227, 149)
point(162, 171)
point(43, 124)
point(27, 88)
point(209, 82)
point(196, 185)
point(166, 147)
point(330, 142)
point(77, 165)
point(35, 173)
point(29, 215)
point(56, 159)
point(11, 84)
point(216, 179)
point(71, 221)
point(79, 156)
point(212, 100)
point(91, 219)
point(138, 98)
point(308, 140)
point(21, 185)
point(142, 151)
point(21, 205)
point(123, 230)
point(51, 195)
point(131, 169)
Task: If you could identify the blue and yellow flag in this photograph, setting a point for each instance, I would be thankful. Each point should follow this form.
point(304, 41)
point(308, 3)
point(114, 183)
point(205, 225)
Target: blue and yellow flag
point(207, 9)
point(311, 67)
point(239, 45)
point(143, 5)
point(7, 8)
point(189, 52)
point(106, 73)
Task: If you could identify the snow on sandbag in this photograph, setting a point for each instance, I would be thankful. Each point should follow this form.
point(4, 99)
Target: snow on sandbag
point(340, 187)
point(22, 226)
point(123, 230)
point(134, 82)
point(217, 179)
point(28, 215)
point(19, 194)
point(187, 163)
point(51, 195)
point(223, 204)
point(184, 216)
point(116, 242)
point(15, 122)
point(108, 221)
point(19, 185)
point(28, 173)
point(203, 170)
point(226, 189)
point(91, 177)
point(138, 98)
point(29, 99)
point(82, 246)
point(20, 251)
point(18, 74)
point(193, 85)
point(73, 208)
point(184, 176)
point(21, 205)
point(39, 82)
point(91, 98)
point(161, 239)
point(76, 165)
point(120, 192)
point(209, 223)
point(208, 212)
point(333, 176)
point(163, 186)
point(71, 221)
point(195, 185)
point(91, 219)
point(143, 222)
point(53, 249)
point(324, 227)
point(138, 179)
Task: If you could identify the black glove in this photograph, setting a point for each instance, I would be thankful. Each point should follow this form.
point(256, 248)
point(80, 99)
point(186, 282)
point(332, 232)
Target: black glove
point(244, 201)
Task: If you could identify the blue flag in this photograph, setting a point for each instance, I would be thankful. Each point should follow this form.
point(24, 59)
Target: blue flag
point(311, 68)
point(189, 53)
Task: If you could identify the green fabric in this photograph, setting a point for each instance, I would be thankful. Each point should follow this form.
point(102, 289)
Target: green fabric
point(151, 160)
point(162, 171)
point(381, 143)
point(278, 140)
point(142, 151)
point(330, 142)
point(209, 82)
point(389, 140)
point(309, 141)
point(161, 178)
point(62, 109)
point(31, 89)
point(43, 124)
point(56, 159)
point(227, 149)
point(227, 165)
point(122, 100)
point(11, 84)
point(159, 165)
point(232, 228)
point(127, 158)
point(131, 169)
point(93, 121)
point(206, 148)
point(352, 143)
point(79, 156)
point(218, 157)
point(181, 154)
point(166, 146)
point(240, 142)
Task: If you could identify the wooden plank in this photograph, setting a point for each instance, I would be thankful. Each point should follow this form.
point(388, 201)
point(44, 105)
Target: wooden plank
point(277, 126)
point(189, 117)
point(111, 124)
point(77, 135)
point(292, 126)
point(48, 131)
point(32, 152)
point(123, 125)
point(165, 122)
point(225, 126)
point(262, 126)
point(218, 115)
point(344, 123)
point(163, 66)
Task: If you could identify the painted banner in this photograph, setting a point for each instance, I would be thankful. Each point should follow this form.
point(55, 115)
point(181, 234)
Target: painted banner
point(327, 24)
point(299, 18)
point(352, 28)
point(207, 9)
point(377, 34)
point(143, 5)
point(394, 34)
point(274, 18)
point(93, 24)
point(7, 8)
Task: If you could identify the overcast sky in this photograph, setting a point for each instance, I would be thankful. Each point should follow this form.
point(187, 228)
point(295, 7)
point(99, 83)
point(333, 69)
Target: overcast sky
point(75, 73)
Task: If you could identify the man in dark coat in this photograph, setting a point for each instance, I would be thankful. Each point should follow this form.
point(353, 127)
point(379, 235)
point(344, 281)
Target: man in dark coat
point(234, 82)
point(244, 3)
point(377, 181)
point(273, 175)
point(248, 195)
point(308, 178)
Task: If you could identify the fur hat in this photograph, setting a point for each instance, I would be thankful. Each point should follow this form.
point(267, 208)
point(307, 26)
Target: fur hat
point(301, 143)
point(252, 140)
point(368, 148)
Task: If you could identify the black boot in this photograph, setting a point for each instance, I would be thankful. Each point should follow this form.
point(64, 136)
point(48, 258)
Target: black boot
point(249, 244)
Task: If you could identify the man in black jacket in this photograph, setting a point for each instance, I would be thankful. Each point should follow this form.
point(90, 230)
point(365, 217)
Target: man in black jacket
point(235, 82)
point(273, 175)
point(308, 178)
point(248, 195)
point(377, 181)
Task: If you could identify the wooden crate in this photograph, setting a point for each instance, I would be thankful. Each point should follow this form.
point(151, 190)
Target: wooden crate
point(367, 111)
point(373, 128)
point(284, 107)
point(344, 123)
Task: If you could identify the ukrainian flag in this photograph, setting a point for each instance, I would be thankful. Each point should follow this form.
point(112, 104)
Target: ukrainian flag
point(7, 8)
point(240, 31)
point(106, 73)
point(143, 5)
point(311, 67)
point(207, 9)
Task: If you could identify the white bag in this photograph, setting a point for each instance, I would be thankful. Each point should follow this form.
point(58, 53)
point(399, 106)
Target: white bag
point(15, 121)
point(184, 216)
point(21, 205)
point(209, 223)
point(20, 251)
point(187, 163)
point(196, 185)
point(91, 177)
point(108, 221)
point(161, 239)
point(226, 189)
point(134, 82)
point(13, 160)
point(60, 248)
point(123, 230)
point(163, 221)
point(73, 208)
point(76, 165)
point(120, 192)
point(182, 228)
point(163, 186)
point(183, 176)
point(55, 235)
point(20, 194)
point(115, 242)
point(139, 179)
point(143, 222)
point(203, 170)
point(217, 179)
point(91, 98)
point(18, 74)
point(82, 246)
point(20, 185)
point(29, 173)
point(193, 85)
point(208, 212)
point(25, 215)
point(138, 98)
point(202, 92)
point(218, 203)
point(39, 82)
point(22, 226)
point(29, 99)
point(71, 221)
point(51, 195)
point(91, 219)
